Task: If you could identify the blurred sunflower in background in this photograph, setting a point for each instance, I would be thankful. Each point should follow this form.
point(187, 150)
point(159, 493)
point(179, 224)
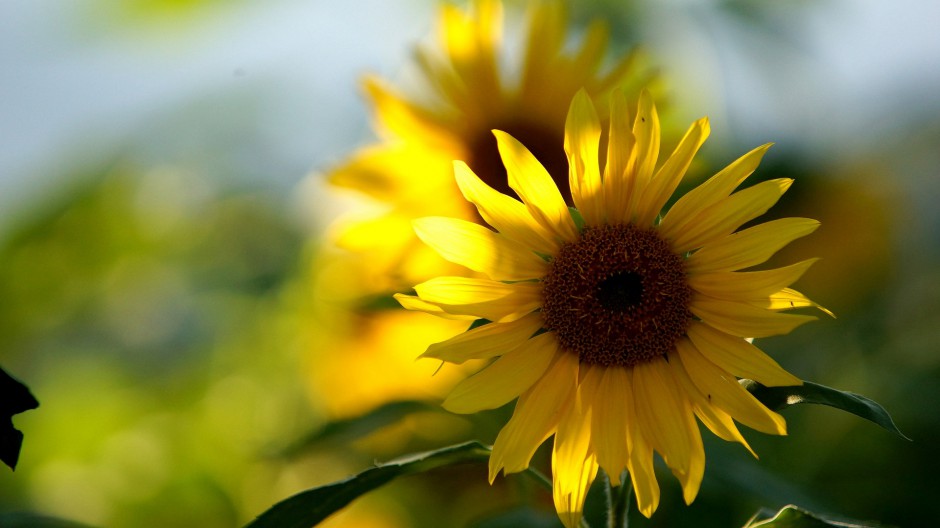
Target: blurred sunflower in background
point(467, 93)
point(615, 327)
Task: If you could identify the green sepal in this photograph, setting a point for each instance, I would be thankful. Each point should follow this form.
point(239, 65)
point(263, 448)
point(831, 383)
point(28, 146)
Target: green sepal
point(578, 219)
point(794, 517)
point(477, 323)
point(312, 506)
point(778, 398)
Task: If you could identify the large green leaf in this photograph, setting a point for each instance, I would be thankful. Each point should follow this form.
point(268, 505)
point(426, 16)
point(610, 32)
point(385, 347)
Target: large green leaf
point(310, 507)
point(777, 398)
point(793, 517)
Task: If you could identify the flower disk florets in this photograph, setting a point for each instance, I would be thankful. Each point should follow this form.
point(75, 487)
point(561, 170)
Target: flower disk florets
point(617, 296)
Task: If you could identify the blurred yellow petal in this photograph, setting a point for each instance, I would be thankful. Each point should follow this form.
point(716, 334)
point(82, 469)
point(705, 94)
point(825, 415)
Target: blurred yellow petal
point(486, 341)
point(400, 116)
point(479, 249)
point(379, 378)
point(546, 36)
point(739, 357)
point(471, 44)
point(505, 379)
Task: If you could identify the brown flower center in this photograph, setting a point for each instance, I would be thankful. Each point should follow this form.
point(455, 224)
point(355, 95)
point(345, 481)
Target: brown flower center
point(617, 296)
point(546, 145)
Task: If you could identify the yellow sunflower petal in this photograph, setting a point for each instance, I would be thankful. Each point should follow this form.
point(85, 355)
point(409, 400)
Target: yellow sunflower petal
point(642, 474)
point(787, 299)
point(536, 187)
point(471, 45)
point(486, 341)
point(592, 50)
point(749, 247)
point(748, 286)
point(479, 249)
point(745, 320)
point(646, 130)
point(536, 417)
point(714, 189)
point(667, 416)
point(617, 181)
point(496, 301)
point(608, 403)
point(739, 357)
point(574, 466)
point(724, 391)
point(507, 215)
point(546, 36)
point(728, 214)
point(718, 421)
point(410, 302)
point(505, 379)
point(404, 118)
point(661, 186)
point(582, 138)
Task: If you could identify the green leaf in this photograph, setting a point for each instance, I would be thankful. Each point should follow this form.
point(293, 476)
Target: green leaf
point(32, 520)
point(349, 429)
point(16, 399)
point(310, 507)
point(794, 517)
point(777, 398)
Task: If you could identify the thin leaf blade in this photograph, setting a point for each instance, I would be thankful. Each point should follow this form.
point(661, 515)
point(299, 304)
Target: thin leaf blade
point(794, 517)
point(312, 506)
point(778, 398)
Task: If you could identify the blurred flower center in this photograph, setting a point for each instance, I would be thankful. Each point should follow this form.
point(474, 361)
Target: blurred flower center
point(617, 296)
point(546, 144)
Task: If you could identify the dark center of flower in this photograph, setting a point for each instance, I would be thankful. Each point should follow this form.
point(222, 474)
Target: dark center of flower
point(546, 145)
point(621, 291)
point(617, 296)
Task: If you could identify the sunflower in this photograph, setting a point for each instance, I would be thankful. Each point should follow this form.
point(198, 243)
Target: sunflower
point(614, 326)
point(468, 91)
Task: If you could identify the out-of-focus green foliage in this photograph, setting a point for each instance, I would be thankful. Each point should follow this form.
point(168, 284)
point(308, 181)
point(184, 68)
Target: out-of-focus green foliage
point(142, 308)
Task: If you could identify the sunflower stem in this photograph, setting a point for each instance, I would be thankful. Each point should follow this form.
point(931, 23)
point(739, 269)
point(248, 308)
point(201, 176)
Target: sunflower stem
point(618, 503)
point(539, 477)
